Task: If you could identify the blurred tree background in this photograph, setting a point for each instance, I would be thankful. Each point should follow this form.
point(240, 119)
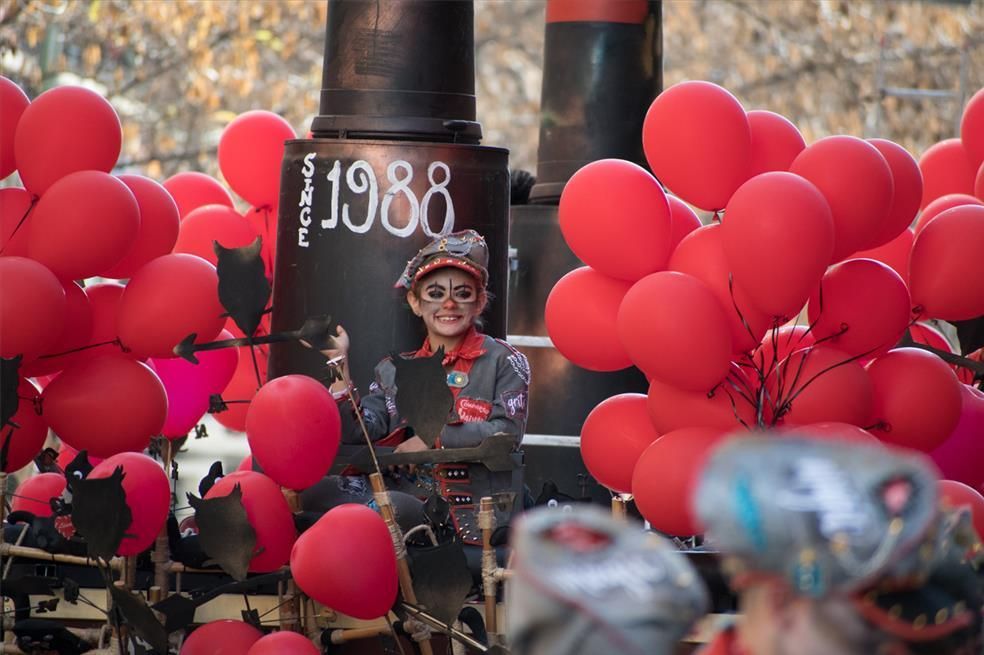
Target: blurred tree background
point(178, 71)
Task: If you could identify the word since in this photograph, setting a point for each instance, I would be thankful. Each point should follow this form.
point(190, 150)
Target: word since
point(360, 178)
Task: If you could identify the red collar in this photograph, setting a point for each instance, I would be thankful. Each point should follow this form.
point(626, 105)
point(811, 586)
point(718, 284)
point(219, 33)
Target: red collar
point(470, 347)
point(724, 643)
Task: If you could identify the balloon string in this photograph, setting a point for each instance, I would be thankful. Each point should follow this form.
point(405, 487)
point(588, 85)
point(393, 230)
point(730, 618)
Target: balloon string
point(34, 201)
point(112, 342)
point(734, 409)
point(256, 365)
point(788, 402)
point(734, 303)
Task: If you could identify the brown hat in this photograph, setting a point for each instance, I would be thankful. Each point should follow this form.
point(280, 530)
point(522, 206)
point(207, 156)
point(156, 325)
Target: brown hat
point(465, 250)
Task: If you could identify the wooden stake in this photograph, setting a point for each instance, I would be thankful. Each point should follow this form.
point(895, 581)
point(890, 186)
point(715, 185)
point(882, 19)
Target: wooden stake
point(486, 521)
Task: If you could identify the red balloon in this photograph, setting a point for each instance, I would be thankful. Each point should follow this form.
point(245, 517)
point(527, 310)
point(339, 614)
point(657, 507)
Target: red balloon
point(166, 300)
point(927, 334)
point(191, 190)
point(724, 407)
point(84, 225)
point(215, 368)
point(106, 405)
point(819, 385)
point(979, 183)
point(15, 220)
point(246, 464)
point(32, 308)
point(243, 386)
point(213, 223)
point(972, 128)
point(857, 182)
point(778, 240)
point(284, 642)
point(698, 143)
point(665, 477)
point(688, 347)
point(158, 226)
point(148, 495)
point(13, 102)
point(908, 184)
point(960, 455)
point(267, 511)
point(943, 276)
point(224, 637)
point(65, 130)
point(955, 495)
point(580, 316)
point(780, 343)
point(894, 254)
point(26, 440)
point(187, 397)
point(615, 217)
point(775, 142)
point(917, 399)
point(946, 168)
point(263, 220)
point(683, 221)
point(294, 430)
point(833, 431)
point(34, 494)
point(355, 575)
point(941, 204)
point(74, 332)
point(104, 301)
point(613, 437)
point(251, 150)
point(66, 454)
point(701, 255)
point(861, 307)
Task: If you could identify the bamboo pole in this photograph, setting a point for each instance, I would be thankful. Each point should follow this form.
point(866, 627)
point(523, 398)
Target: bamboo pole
point(402, 566)
point(486, 521)
point(161, 555)
point(620, 506)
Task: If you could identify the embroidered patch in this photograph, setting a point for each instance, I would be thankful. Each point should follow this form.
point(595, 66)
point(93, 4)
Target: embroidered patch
point(521, 365)
point(472, 409)
point(457, 379)
point(391, 405)
point(515, 403)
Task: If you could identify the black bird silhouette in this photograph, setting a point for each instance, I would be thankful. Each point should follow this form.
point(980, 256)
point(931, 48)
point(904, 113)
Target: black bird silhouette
point(224, 531)
point(9, 381)
point(214, 475)
point(423, 398)
point(244, 290)
point(100, 513)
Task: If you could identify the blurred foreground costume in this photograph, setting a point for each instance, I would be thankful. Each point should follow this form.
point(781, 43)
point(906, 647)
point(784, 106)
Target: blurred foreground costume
point(585, 583)
point(852, 538)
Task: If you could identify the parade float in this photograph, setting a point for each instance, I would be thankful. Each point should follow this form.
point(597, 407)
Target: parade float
point(803, 301)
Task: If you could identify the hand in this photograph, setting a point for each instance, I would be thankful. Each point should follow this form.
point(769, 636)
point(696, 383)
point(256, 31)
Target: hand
point(411, 445)
point(340, 343)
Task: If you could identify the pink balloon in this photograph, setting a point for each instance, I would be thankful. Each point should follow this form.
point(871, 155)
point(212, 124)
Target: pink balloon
point(84, 224)
point(894, 254)
point(294, 430)
point(187, 398)
point(66, 454)
point(356, 575)
point(856, 180)
point(34, 494)
point(689, 347)
point(224, 637)
point(75, 332)
point(13, 102)
point(267, 511)
point(15, 206)
point(158, 226)
point(683, 221)
point(32, 308)
point(65, 130)
point(202, 226)
point(284, 643)
point(216, 367)
point(580, 315)
point(191, 190)
point(613, 437)
point(961, 454)
point(775, 142)
point(908, 191)
point(251, 151)
point(941, 204)
point(946, 168)
point(148, 495)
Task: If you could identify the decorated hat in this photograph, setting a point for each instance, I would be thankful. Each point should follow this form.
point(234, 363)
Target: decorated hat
point(584, 582)
point(465, 250)
point(825, 517)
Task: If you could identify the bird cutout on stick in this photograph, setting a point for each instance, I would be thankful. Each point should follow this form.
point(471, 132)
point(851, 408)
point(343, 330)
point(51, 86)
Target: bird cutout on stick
point(9, 381)
point(424, 399)
point(312, 331)
point(244, 290)
point(100, 513)
point(224, 532)
point(214, 475)
point(441, 578)
point(970, 333)
point(179, 609)
point(495, 453)
point(134, 612)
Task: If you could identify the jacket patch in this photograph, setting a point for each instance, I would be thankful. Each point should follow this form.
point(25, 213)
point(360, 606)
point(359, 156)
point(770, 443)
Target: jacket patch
point(470, 410)
point(515, 403)
point(520, 365)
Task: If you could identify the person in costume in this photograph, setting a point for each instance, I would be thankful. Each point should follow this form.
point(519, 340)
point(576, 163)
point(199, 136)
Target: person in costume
point(445, 285)
point(837, 548)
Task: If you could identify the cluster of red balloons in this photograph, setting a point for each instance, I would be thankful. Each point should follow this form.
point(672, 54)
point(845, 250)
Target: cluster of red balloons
point(820, 232)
